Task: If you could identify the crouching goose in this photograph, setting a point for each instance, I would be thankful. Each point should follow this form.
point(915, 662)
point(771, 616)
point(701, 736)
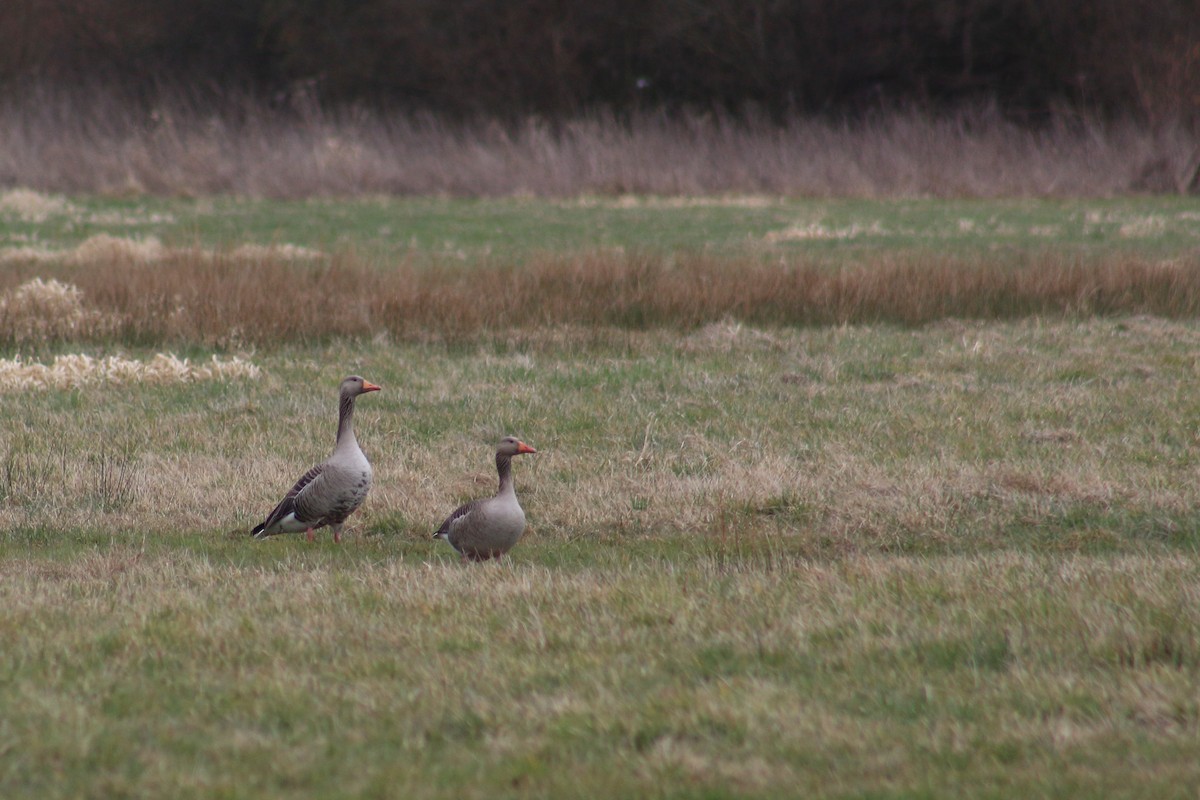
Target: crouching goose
point(489, 527)
point(333, 489)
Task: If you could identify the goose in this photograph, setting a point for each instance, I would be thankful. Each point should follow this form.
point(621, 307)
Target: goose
point(333, 489)
point(489, 527)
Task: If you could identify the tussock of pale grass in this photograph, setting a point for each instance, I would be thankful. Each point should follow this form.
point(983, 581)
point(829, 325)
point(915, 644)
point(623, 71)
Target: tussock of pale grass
point(104, 248)
point(77, 371)
point(656, 201)
point(41, 310)
point(28, 205)
point(286, 252)
point(817, 231)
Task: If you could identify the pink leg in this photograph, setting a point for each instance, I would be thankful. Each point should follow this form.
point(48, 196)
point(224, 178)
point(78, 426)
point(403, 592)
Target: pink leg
point(309, 535)
point(337, 535)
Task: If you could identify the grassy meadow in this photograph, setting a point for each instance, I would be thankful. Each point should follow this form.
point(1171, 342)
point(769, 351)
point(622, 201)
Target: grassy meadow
point(428, 230)
point(911, 549)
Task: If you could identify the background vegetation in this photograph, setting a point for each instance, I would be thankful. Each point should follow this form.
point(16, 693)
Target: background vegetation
point(295, 98)
point(505, 57)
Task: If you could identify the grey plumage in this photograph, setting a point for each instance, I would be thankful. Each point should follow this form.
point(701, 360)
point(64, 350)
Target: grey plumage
point(334, 489)
point(489, 527)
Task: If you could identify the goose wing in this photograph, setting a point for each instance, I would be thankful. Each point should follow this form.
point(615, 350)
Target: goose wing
point(297, 504)
point(460, 517)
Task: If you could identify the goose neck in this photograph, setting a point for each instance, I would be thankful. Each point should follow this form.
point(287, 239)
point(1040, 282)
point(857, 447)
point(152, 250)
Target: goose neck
point(345, 433)
point(504, 470)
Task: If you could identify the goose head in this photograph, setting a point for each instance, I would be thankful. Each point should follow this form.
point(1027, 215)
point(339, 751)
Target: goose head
point(354, 386)
point(512, 446)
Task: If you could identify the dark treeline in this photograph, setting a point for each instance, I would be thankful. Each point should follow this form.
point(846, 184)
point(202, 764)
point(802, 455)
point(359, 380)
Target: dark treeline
point(503, 57)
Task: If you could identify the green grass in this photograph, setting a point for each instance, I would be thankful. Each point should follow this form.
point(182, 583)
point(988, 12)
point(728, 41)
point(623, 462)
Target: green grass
point(507, 229)
point(832, 562)
point(853, 561)
point(365, 672)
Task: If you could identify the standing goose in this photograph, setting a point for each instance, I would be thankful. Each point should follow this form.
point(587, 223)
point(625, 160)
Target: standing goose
point(333, 489)
point(489, 527)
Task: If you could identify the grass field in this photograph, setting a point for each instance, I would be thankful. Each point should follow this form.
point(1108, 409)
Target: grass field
point(474, 231)
point(862, 560)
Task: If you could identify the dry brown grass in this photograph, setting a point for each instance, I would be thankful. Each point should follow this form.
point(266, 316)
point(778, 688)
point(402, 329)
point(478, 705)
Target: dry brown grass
point(243, 298)
point(64, 143)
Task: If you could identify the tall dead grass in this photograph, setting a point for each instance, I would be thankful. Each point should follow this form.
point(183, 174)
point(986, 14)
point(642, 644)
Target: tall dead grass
point(233, 301)
point(65, 142)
